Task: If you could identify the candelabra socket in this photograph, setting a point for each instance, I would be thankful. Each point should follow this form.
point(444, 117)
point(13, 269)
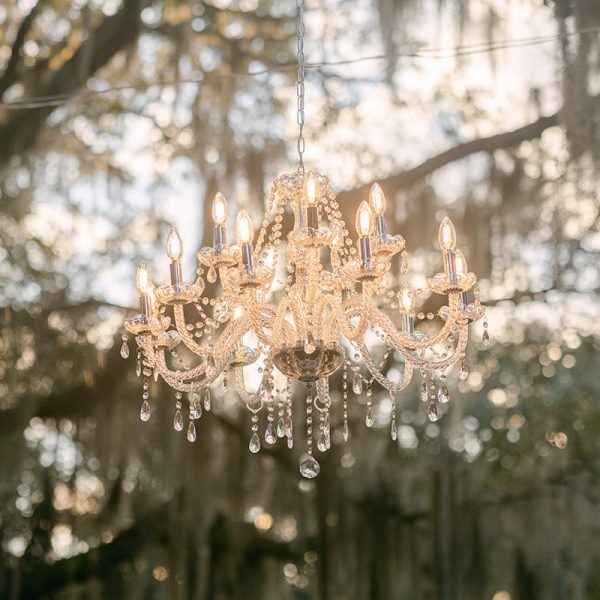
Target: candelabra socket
point(449, 266)
point(381, 227)
point(312, 217)
point(176, 273)
point(247, 258)
point(408, 324)
point(364, 249)
point(145, 305)
point(219, 239)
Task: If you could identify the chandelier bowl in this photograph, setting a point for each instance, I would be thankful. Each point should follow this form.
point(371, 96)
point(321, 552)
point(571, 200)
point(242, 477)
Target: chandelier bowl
point(295, 362)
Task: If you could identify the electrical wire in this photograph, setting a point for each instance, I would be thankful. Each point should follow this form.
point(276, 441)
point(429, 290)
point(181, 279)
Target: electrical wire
point(422, 53)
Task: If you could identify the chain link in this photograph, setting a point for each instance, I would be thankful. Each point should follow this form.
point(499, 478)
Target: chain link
point(301, 144)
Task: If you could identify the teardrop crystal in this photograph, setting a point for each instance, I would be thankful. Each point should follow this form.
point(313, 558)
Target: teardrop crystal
point(124, 350)
point(290, 442)
point(309, 467)
point(327, 436)
point(432, 413)
point(191, 432)
point(424, 392)
point(195, 409)
point(206, 399)
point(270, 436)
point(145, 411)
point(346, 431)
point(357, 386)
point(393, 430)
point(443, 394)
point(211, 276)
point(369, 418)
point(280, 428)
point(254, 445)
point(485, 338)
point(321, 443)
point(463, 373)
point(178, 421)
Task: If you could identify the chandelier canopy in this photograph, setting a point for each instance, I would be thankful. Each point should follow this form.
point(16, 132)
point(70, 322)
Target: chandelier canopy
point(307, 304)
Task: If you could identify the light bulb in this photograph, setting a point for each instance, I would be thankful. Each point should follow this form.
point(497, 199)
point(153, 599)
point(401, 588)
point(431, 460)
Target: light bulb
point(311, 190)
point(447, 235)
point(377, 199)
point(243, 228)
point(143, 283)
point(460, 264)
point(407, 298)
point(219, 209)
point(174, 245)
point(364, 220)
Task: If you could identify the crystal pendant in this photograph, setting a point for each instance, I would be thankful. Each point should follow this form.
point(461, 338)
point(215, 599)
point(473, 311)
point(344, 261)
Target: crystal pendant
point(369, 418)
point(290, 442)
point(191, 432)
point(393, 430)
point(145, 411)
point(125, 350)
point(178, 421)
point(281, 428)
point(485, 339)
point(357, 386)
point(254, 445)
point(346, 431)
point(309, 467)
point(206, 399)
point(443, 394)
point(322, 443)
point(270, 436)
point(463, 373)
point(195, 410)
point(327, 436)
point(424, 393)
point(138, 368)
point(432, 413)
point(211, 276)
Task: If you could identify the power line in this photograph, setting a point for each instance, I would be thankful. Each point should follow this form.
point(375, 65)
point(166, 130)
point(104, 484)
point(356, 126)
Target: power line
point(422, 53)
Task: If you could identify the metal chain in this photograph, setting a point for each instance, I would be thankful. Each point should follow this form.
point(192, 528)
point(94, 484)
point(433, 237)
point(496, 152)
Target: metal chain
point(300, 84)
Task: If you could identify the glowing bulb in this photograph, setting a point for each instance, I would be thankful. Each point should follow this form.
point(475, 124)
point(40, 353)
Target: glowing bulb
point(243, 228)
point(460, 264)
point(407, 298)
point(364, 220)
point(311, 190)
point(143, 283)
point(447, 235)
point(219, 209)
point(377, 199)
point(238, 311)
point(174, 245)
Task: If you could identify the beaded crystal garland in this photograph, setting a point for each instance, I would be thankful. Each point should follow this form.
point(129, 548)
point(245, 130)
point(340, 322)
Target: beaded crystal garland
point(302, 326)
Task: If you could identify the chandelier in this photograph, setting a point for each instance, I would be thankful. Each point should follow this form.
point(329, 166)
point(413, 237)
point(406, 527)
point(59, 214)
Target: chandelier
point(300, 311)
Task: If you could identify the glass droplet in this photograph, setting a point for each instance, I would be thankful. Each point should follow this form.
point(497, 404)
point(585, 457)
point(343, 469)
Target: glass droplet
point(309, 344)
point(463, 373)
point(211, 276)
point(369, 418)
point(393, 430)
point(290, 442)
point(309, 467)
point(357, 386)
point(327, 436)
point(178, 421)
point(270, 436)
point(254, 445)
point(424, 393)
point(322, 443)
point(191, 432)
point(195, 410)
point(281, 428)
point(125, 350)
point(145, 411)
point(485, 338)
point(346, 431)
point(443, 394)
point(432, 413)
point(206, 399)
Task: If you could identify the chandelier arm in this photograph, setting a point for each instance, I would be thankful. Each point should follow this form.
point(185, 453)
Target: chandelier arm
point(379, 376)
point(364, 311)
point(184, 334)
point(252, 401)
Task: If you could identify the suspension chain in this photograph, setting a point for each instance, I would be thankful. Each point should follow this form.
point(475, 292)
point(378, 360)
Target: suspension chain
point(300, 84)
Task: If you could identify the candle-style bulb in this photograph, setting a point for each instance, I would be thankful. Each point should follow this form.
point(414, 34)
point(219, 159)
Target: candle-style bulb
point(407, 298)
point(174, 245)
point(377, 199)
point(143, 283)
point(447, 235)
point(219, 209)
point(460, 264)
point(243, 228)
point(364, 220)
point(311, 190)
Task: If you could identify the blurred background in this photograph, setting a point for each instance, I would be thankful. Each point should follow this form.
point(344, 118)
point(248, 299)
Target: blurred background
point(484, 110)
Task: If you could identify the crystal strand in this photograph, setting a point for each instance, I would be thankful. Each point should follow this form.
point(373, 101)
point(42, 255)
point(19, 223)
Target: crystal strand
point(124, 346)
point(138, 363)
point(254, 445)
point(393, 431)
point(346, 431)
point(486, 334)
point(432, 411)
point(309, 467)
point(424, 391)
point(145, 409)
point(369, 418)
point(289, 424)
point(280, 420)
point(225, 382)
point(270, 436)
point(178, 418)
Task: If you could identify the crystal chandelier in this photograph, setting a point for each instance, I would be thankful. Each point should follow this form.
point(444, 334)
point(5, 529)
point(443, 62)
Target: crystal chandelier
point(305, 324)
